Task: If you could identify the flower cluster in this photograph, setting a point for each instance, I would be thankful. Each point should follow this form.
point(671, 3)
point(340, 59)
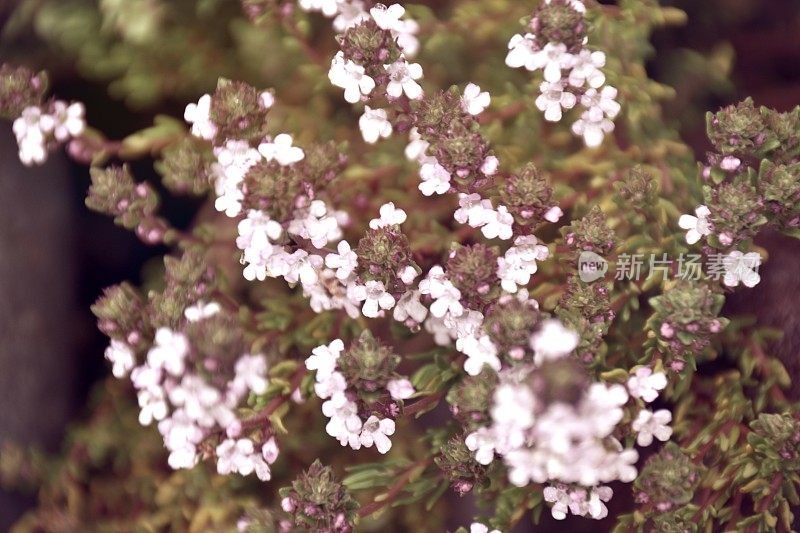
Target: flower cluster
point(668, 479)
point(550, 423)
point(133, 205)
point(577, 501)
point(318, 502)
point(40, 129)
point(556, 44)
point(349, 13)
point(189, 406)
point(751, 180)
point(373, 64)
point(776, 440)
point(39, 125)
point(362, 392)
point(686, 317)
point(188, 361)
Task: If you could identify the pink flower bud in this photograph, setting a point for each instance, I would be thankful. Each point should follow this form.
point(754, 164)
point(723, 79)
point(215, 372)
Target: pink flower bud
point(725, 239)
point(288, 505)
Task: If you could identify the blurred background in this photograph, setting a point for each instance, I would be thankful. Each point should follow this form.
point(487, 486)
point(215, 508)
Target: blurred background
point(56, 256)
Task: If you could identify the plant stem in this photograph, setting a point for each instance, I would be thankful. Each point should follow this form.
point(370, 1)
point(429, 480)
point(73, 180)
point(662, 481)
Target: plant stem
point(275, 403)
point(396, 488)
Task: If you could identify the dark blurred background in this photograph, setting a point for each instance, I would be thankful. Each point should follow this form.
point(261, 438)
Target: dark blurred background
point(56, 256)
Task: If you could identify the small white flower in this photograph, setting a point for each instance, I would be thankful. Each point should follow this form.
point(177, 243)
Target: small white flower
point(146, 377)
point(498, 224)
point(182, 457)
point(377, 431)
point(560, 498)
point(229, 201)
point(410, 308)
point(586, 69)
point(730, 163)
point(416, 148)
point(474, 101)
point(269, 451)
point(374, 125)
point(490, 166)
point(65, 121)
point(479, 351)
point(202, 402)
point(473, 210)
point(344, 423)
point(323, 358)
point(400, 389)
point(374, 296)
point(697, 226)
point(331, 386)
point(169, 351)
point(234, 160)
point(317, 223)
point(402, 79)
point(553, 99)
point(351, 77)
point(477, 527)
point(281, 150)
point(345, 262)
point(256, 235)
point(327, 7)
point(645, 383)
point(522, 51)
point(350, 14)
point(387, 18)
point(120, 355)
point(553, 341)
point(553, 58)
point(435, 179)
point(518, 264)
point(199, 116)
point(481, 442)
point(434, 283)
point(152, 405)
point(741, 268)
point(201, 311)
point(603, 100)
point(30, 136)
point(593, 127)
point(250, 374)
point(596, 508)
point(407, 274)
point(465, 326)
point(446, 300)
point(649, 424)
point(390, 216)
point(266, 99)
point(235, 456)
point(553, 214)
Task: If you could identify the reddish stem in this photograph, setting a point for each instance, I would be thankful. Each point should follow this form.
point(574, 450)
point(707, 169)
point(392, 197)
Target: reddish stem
point(275, 403)
point(395, 489)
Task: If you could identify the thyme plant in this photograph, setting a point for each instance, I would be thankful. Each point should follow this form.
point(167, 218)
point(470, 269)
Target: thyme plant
point(439, 251)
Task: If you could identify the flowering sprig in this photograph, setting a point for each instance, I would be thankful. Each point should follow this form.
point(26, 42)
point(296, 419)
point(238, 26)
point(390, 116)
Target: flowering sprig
point(550, 423)
point(363, 394)
point(556, 44)
point(39, 125)
point(189, 404)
